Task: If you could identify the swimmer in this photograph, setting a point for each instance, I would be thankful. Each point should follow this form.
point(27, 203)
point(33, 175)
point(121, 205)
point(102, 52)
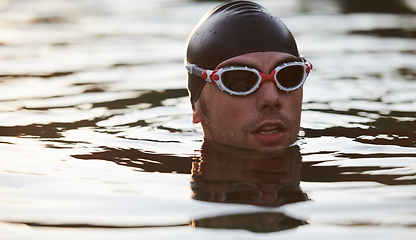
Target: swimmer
point(245, 77)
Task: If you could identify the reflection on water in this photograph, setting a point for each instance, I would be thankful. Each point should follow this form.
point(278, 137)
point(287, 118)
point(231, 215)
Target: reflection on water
point(262, 222)
point(222, 175)
point(96, 139)
point(227, 175)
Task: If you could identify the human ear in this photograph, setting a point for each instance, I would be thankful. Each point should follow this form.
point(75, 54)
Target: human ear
point(197, 114)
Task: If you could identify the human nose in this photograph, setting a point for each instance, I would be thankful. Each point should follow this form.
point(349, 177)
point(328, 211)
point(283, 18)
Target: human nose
point(268, 96)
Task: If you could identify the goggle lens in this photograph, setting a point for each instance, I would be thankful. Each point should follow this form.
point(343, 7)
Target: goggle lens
point(290, 76)
point(239, 80)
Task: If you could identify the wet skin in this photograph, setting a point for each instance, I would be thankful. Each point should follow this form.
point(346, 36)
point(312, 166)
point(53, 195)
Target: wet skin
point(267, 119)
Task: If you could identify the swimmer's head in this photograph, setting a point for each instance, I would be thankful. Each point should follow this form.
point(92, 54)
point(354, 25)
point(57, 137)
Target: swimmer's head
point(234, 29)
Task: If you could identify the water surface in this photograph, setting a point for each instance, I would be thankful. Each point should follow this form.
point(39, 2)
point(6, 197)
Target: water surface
point(96, 138)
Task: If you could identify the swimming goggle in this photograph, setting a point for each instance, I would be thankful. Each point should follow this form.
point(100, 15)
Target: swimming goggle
point(245, 80)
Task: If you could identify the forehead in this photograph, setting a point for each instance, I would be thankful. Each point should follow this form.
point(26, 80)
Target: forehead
point(259, 60)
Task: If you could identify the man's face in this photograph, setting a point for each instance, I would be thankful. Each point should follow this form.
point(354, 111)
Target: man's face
point(267, 119)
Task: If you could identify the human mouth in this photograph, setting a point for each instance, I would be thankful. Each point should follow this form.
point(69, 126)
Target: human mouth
point(269, 129)
point(270, 133)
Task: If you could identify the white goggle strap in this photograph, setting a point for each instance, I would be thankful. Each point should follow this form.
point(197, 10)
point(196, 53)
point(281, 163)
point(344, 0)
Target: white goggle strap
point(194, 69)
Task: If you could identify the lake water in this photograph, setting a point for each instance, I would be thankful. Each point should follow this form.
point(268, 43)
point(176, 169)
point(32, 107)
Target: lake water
point(96, 138)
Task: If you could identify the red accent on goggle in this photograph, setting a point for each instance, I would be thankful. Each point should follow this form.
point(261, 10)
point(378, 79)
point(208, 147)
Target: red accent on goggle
point(265, 77)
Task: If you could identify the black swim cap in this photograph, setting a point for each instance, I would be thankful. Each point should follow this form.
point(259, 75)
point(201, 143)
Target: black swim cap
point(234, 29)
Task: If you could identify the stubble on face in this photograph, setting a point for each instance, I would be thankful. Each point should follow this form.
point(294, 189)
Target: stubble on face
point(223, 135)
